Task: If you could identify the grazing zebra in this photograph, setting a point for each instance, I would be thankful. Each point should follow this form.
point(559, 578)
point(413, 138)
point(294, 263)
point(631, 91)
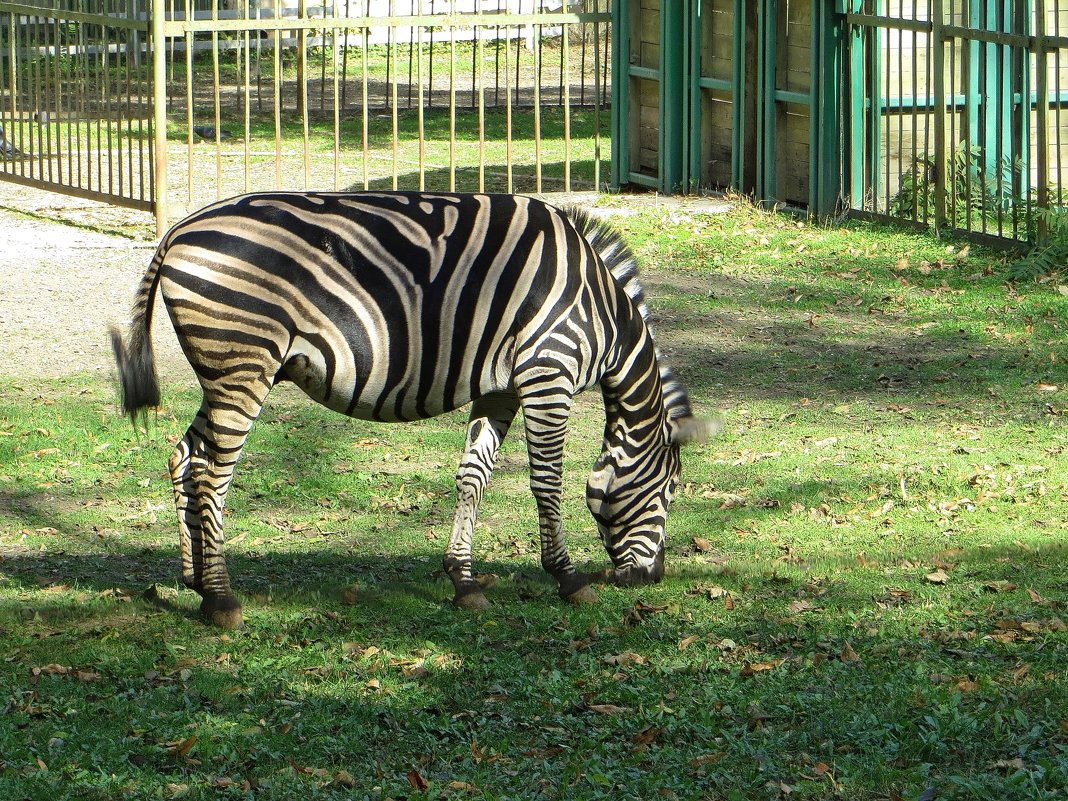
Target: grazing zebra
point(400, 306)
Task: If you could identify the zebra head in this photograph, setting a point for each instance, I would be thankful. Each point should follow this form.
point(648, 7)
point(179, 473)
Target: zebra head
point(629, 492)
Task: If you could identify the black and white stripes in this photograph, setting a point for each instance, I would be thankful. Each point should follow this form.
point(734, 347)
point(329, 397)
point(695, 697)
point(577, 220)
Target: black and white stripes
point(402, 306)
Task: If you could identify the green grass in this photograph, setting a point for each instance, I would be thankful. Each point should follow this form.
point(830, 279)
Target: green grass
point(866, 593)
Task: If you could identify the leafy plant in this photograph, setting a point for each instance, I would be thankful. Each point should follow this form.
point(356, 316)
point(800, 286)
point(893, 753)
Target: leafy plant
point(975, 198)
point(1048, 257)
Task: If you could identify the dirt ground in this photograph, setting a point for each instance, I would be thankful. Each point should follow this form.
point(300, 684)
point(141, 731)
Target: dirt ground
point(63, 286)
point(65, 282)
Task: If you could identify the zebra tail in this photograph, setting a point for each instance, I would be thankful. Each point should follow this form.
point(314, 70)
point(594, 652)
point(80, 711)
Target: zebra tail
point(138, 381)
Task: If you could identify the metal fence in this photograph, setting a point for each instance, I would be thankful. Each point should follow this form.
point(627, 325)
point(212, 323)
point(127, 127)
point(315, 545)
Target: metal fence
point(75, 100)
point(952, 111)
point(956, 113)
point(487, 95)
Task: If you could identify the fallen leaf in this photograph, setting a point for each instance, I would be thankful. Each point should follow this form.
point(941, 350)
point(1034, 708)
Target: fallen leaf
point(701, 544)
point(751, 668)
point(848, 654)
point(625, 658)
point(938, 577)
point(642, 739)
point(607, 709)
point(966, 686)
point(416, 780)
point(350, 596)
point(463, 787)
point(686, 642)
point(1010, 764)
point(479, 755)
point(344, 778)
point(637, 614)
point(183, 747)
point(999, 586)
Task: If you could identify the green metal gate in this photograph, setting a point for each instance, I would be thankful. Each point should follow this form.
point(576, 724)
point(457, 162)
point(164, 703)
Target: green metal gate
point(949, 112)
point(741, 95)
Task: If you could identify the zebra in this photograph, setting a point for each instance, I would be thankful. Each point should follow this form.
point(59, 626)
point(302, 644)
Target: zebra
point(398, 306)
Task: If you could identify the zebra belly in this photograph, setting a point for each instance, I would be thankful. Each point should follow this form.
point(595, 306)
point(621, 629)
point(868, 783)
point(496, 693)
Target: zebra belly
point(348, 388)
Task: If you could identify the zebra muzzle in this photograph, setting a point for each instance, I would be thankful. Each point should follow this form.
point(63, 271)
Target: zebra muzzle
point(637, 575)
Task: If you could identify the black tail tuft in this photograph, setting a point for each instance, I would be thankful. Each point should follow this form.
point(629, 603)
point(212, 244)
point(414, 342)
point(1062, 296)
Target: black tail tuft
point(138, 381)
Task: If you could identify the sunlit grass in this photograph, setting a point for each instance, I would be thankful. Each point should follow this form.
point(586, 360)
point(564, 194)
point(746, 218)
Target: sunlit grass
point(865, 596)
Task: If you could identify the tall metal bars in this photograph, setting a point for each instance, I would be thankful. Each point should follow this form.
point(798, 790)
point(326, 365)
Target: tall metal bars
point(75, 99)
point(494, 95)
point(485, 95)
point(955, 113)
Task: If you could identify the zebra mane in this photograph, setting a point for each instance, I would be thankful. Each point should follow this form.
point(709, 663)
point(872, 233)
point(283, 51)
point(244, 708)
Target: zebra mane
point(623, 264)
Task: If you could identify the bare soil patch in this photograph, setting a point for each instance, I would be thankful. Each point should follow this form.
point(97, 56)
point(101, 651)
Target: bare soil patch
point(63, 287)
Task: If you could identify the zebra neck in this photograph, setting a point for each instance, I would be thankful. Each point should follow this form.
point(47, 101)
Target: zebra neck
point(633, 392)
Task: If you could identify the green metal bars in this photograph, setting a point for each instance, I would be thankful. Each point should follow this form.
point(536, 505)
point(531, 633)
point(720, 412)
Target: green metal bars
point(743, 96)
point(955, 114)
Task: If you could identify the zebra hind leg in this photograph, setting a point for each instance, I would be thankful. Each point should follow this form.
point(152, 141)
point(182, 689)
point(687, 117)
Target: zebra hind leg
point(202, 467)
point(490, 420)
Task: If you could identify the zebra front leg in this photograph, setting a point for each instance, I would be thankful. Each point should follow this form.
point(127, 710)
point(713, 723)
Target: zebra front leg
point(546, 425)
point(490, 420)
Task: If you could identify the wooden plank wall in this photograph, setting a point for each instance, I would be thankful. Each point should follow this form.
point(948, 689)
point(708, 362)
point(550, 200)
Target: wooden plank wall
point(645, 93)
point(793, 72)
point(717, 106)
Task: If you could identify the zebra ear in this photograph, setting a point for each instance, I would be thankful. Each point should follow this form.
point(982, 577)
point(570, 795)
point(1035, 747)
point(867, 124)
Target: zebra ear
point(684, 430)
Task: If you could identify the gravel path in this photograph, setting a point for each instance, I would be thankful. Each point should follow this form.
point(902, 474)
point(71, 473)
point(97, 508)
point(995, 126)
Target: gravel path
point(62, 287)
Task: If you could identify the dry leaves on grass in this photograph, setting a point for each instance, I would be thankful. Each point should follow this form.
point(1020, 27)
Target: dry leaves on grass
point(625, 658)
point(607, 709)
point(937, 577)
point(63, 670)
point(752, 668)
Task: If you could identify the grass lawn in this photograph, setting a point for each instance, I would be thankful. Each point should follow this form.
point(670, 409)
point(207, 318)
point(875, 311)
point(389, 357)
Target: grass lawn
point(866, 594)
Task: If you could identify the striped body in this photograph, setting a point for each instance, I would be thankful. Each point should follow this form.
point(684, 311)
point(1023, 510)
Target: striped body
point(356, 298)
point(403, 306)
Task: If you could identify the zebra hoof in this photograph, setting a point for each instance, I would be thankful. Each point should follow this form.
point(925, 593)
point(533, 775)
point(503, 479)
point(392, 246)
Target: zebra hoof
point(223, 612)
point(582, 596)
point(471, 602)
